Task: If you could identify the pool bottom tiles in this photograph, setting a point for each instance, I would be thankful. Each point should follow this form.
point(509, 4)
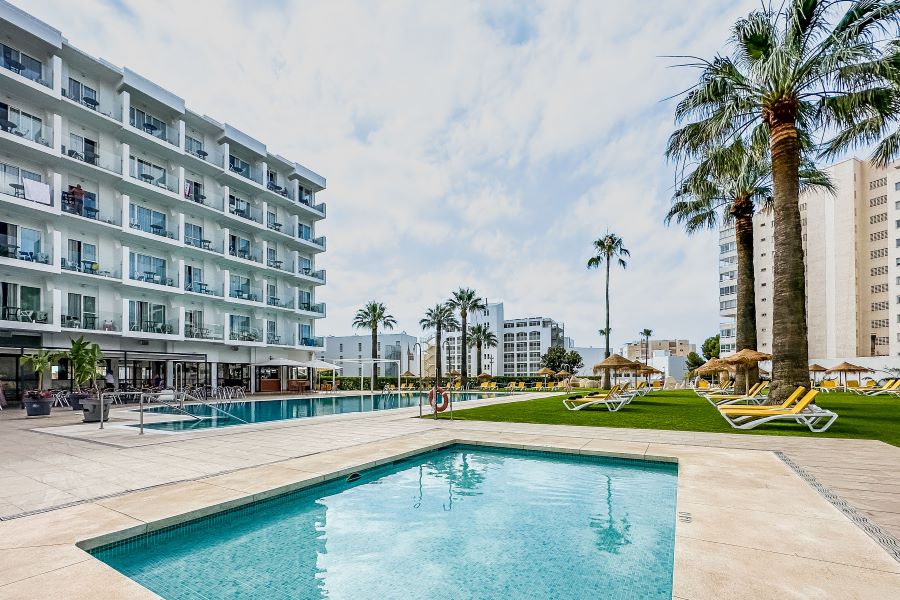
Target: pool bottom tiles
point(461, 522)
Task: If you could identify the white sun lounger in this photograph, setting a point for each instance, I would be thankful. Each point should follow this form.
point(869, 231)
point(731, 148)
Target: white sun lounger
point(613, 400)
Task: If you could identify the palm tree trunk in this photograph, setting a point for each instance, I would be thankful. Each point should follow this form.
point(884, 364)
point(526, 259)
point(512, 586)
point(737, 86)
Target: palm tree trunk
point(465, 349)
point(745, 321)
point(478, 357)
point(437, 355)
point(790, 347)
point(374, 354)
point(606, 382)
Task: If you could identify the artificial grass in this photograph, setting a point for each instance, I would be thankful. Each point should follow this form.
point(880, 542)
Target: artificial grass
point(861, 417)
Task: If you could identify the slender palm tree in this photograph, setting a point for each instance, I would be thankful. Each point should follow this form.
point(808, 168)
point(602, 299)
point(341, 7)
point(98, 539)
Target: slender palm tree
point(799, 65)
point(609, 248)
point(441, 319)
point(727, 186)
point(481, 336)
point(370, 317)
point(645, 335)
point(465, 300)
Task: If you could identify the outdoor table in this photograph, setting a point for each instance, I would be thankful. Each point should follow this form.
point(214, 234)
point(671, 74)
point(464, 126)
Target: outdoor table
point(7, 125)
point(277, 226)
point(199, 197)
point(88, 266)
point(90, 212)
point(150, 276)
point(14, 65)
point(10, 313)
point(91, 102)
point(202, 154)
point(26, 315)
point(75, 154)
point(91, 158)
point(90, 321)
point(206, 244)
point(18, 190)
point(202, 287)
point(150, 127)
point(146, 177)
point(157, 228)
point(12, 251)
point(275, 187)
point(276, 263)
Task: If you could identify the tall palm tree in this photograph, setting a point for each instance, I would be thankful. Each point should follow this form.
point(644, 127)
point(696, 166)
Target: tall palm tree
point(799, 65)
point(609, 248)
point(370, 317)
point(726, 187)
point(440, 318)
point(645, 334)
point(481, 336)
point(465, 300)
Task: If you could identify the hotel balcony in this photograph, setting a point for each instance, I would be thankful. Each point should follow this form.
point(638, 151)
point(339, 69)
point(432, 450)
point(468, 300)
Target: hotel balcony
point(280, 339)
point(44, 78)
point(88, 267)
point(152, 326)
point(286, 229)
point(102, 322)
point(279, 303)
point(74, 206)
point(154, 278)
point(287, 267)
point(10, 250)
point(212, 333)
point(246, 172)
point(203, 244)
point(314, 310)
point(108, 161)
point(250, 213)
point(166, 181)
point(246, 334)
point(251, 254)
point(318, 275)
point(207, 289)
point(284, 192)
point(31, 317)
point(41, 133)
point(167, 134)
point(155, 229)
point(311, 342)
point(245, 292)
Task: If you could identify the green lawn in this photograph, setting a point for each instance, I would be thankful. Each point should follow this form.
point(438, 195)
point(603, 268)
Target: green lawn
point(876, 418)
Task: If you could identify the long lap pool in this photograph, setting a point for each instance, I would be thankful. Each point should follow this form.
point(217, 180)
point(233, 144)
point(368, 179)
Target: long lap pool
point(226, 414)
point(461, 522)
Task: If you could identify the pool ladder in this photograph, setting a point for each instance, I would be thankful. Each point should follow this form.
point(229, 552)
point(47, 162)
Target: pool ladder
point(183, 394)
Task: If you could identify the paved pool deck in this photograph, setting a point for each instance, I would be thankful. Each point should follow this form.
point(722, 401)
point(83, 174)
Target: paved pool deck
point(759, 516)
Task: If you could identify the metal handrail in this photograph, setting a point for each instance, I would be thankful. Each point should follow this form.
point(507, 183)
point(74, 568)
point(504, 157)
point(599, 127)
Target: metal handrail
point(184, 395)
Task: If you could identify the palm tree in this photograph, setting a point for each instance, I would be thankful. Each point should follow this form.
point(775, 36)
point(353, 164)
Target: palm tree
point(465, 300)
point(645, 334)
point(609, 247)
point(440, 318)
point(370, 317)
point(800, 65)
point(481, 336)
point(726, 187)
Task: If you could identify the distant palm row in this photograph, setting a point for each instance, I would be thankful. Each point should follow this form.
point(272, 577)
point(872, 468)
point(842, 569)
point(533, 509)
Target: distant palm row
point(441, 318)
point(803, 80)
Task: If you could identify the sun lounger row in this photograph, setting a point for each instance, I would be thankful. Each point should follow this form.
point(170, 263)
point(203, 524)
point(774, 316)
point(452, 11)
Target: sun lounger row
point(613, 400)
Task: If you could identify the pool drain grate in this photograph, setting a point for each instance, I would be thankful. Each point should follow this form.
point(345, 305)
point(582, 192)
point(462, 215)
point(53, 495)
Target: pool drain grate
point(873, 530)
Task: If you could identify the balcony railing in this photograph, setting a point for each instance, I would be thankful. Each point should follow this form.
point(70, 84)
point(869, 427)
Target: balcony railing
point(286, 229)
point(204, 332)
point(25, 315)
point(39, 133)
point(204, 244)
point(246, 172)
point(216, 203)
point(251, 213)
point(248, 334)
point(320, 274)
point(9, 249)
point(279, 339)
point(169, 327)
point(209, 155)
point(287, 267)
point(105, 160)
point(245, 293)
point(251, 254)
point(90, 103)
point(313, 342)
point(155, 229)
point(285, 192)
point(153, 277)
point(89, 267)
point(279, 303)
point(164, 181)
point(167, 134)
point(210, 289)
point(17, 67)
point(308, 201)
point(14, 185)
point(91, 321)
point(310, 307)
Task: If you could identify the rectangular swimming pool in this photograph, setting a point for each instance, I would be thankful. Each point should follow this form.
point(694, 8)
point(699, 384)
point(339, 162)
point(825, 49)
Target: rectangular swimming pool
point(239, 412)
point(461, 522)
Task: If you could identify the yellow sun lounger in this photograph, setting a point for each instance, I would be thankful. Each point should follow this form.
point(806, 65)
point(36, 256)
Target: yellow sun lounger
point(753, 395)
point(612, 400)
point(794, 397)
point(889, 387)
point(816, 418)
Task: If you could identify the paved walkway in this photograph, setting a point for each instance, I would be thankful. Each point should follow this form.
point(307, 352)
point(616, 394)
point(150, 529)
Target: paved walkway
point(57, 461)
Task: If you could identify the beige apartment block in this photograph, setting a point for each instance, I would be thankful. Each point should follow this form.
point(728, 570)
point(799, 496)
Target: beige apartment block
point(637, 350)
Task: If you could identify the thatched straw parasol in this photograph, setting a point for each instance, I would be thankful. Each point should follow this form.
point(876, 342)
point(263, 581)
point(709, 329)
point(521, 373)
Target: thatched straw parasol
point(407, 374)
point(546, 372)
point(845, 368)
point(747, 358)
point(713, 365)
point(816, 368)
point(454, 373)
point(617, 364)
point(483, 375)
point(563, 373)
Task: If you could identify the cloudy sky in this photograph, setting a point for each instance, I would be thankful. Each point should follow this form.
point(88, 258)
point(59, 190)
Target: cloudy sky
point(481, 144)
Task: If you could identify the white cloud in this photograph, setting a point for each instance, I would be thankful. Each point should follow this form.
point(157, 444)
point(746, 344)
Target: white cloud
point(464, 143)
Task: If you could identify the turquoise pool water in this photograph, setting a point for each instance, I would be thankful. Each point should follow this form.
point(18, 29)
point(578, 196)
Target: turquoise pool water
point(461, 522)
point(260, 411)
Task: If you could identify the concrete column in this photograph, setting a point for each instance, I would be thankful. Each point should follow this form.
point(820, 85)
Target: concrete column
point(170, 373)
point(56, 246)
point(56, 77)
point(126, 211)
point(180, 220)
point(181, 319)
point(56, 191)
point(263, 167)
point(181, 132)
point(214, 374)
point(55, 308)
point(126, 325)
point(126, 155)
point(126, 107)
point(225, 149)
point(57, 132)
point(265, 252)
point(126, 251)
point(181, 179)
point(180, 275)
point(226, 284)
point(264, 207)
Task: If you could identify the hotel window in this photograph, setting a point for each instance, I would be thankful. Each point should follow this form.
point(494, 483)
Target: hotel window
point(141, 265)
point(81, 145)
point(272, 294)
point(239, 323)
point(31, 67)
point(146, 316)
point(304, 265)
point(304, 300)
point(193, 190)
point(13, 174)
point(271, 256)
point(147, 219)
point(79, 92)
point(238, 166)
point(147, 122)
point(141, 169)
point(192, 145)
point(193, 235)
point(271, 333)
point(238, 206)
point(271, 177)
point(81, 255)
point(304, 232)
point(83, 309)
point(193, 277)
point(238, 246)
point(31, 127)
point(239, 285)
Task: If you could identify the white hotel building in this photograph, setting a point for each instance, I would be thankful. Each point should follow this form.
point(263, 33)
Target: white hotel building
point(852, 253)
point(157, 232)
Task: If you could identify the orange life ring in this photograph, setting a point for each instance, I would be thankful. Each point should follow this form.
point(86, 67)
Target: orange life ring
point(445, 399)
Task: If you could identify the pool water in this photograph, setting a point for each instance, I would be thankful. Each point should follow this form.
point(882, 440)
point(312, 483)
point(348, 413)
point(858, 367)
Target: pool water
point(461, 522)
point(260, 411)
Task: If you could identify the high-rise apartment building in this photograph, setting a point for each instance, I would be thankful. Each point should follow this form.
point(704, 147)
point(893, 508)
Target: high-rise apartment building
point(640, 349)
point(354, 352)
point(851, 246)
point(149, 228)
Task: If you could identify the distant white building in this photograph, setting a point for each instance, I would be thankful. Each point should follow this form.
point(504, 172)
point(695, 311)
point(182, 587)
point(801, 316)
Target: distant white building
point(391, 346)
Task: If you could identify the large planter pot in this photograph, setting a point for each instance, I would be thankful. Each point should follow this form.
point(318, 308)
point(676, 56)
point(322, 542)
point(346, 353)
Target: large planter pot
point(76, 398)
point(91, 407)
point(37, 407)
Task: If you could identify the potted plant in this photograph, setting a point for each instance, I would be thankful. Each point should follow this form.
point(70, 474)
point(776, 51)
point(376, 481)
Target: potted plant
point(84, 357)
point(38, 402)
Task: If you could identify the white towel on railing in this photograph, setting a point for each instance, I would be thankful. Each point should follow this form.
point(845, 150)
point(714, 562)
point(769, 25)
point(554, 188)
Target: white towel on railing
point(37, 191)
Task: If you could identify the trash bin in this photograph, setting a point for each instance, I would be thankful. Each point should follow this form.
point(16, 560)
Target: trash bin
point(91, 407)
